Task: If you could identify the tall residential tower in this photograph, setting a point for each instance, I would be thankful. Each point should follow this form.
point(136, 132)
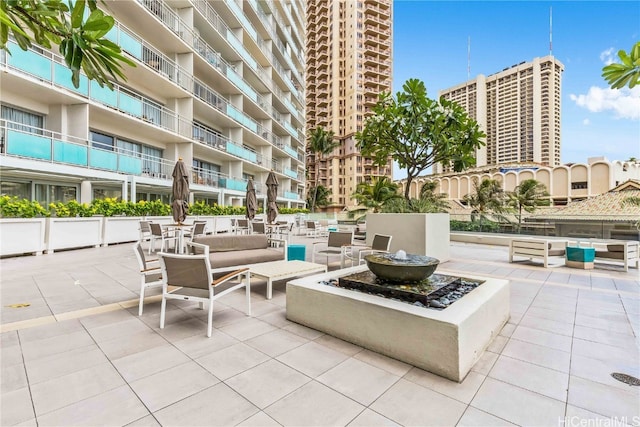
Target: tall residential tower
point(349, 54)
point(218, 83)
point(519, 110)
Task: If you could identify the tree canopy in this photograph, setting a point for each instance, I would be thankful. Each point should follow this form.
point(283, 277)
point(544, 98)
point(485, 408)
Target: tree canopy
point(321, 143)
point(374, 195)
point(625, 73)
point(80, 36)
point(418, 132)
point(528, 196)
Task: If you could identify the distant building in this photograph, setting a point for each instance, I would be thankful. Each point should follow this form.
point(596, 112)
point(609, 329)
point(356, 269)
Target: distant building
point(565, 183)
point(519, 110)
point(349, 63)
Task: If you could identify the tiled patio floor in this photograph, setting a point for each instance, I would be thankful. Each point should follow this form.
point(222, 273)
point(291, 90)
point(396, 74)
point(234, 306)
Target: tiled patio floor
point(550, 365)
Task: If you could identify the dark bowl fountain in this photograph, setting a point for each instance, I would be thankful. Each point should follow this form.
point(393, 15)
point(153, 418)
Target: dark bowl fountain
point(401, 267)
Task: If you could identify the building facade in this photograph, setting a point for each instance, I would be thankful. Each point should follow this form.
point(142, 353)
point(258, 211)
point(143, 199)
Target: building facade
point(565, 183)
point(216, 83)
point(519, 110)
point(349, 56)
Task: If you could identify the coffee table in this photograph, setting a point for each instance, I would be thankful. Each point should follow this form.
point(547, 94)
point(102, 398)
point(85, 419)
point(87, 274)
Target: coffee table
point(280, 270)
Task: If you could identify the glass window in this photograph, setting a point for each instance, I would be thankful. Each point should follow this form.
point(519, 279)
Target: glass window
point(52, 193)
point(30, 122)
point(103, 193)
point(20, 189)
point(100, 140)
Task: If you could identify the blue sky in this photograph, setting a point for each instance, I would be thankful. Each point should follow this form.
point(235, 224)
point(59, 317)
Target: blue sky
point(430, 43)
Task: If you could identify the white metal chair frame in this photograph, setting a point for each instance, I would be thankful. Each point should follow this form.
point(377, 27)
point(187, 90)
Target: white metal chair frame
point(158, 233)
point(150, 276)
point(380, 244)
point(193, 272)
point(337, 243)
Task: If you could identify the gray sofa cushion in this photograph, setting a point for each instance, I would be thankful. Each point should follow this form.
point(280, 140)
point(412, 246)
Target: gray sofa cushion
point(248, 256)
point(609, 254)
point(231, 242)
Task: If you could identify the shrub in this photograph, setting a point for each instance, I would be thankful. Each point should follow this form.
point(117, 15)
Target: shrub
point(12, 207)
point(70, 209)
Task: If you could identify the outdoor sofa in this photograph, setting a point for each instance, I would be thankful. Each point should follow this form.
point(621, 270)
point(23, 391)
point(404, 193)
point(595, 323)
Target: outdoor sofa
point(230, 251)
point(541, 249)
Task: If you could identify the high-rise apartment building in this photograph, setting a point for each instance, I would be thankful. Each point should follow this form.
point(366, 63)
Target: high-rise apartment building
point(519, 110)
point(349, 54)
point(218, 83)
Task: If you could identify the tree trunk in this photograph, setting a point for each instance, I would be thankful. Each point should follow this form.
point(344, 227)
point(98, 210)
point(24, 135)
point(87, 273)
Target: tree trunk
point(406, 189)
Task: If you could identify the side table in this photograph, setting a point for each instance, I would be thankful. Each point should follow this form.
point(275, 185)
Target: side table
point(580, 257)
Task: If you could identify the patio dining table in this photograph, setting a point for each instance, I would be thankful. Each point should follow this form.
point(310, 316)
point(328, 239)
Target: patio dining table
point(179, 230)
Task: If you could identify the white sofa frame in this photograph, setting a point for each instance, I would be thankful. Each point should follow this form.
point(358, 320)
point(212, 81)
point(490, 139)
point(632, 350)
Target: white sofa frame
point(534, 248)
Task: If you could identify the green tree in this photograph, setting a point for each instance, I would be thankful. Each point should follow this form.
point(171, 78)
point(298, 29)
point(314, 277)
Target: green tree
point(81, 41)
point(488, 198)
point(322, 196)
point(374, 195)
point(418, 132)
point(528, 196)
point(321, 143)
point(625, 73)
point(428, 196)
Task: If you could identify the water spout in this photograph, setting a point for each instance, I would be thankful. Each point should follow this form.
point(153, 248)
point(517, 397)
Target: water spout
point(400, 255)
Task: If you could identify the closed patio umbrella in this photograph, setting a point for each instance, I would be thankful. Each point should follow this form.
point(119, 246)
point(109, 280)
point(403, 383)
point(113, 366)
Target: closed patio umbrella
point(272, 194)
point(252, 201)
point(180, 192)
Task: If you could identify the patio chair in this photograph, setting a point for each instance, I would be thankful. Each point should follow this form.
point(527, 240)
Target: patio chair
point(380, 244)
point(150, 273)
point(145, 231)
point(157, 233)
point(242, 226)
point(258, 228)
point(315, 230)
point(199, 228)
point(191, 275)
point(336, 245)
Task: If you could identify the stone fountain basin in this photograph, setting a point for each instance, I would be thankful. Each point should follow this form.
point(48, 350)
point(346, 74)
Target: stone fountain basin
point(413, 268)
point(447, 342)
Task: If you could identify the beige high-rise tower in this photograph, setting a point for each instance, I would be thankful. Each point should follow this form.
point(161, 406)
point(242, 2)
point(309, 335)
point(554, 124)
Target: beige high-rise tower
point(349, 53)
point(519, 110)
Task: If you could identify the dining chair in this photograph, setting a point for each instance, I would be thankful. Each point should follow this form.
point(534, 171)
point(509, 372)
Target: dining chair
point(150, 273)
point(380, 244)
point(157, 233)
point(258, 228)
point(336, 245)
point(191, 280)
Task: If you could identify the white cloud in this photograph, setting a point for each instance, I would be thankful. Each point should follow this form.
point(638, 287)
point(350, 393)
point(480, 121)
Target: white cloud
point(586, 122)
point(625, 103)
point(608, 56)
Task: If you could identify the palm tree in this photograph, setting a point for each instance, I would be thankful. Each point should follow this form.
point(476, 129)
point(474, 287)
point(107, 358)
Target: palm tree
point(374, 195)
point(322, 196)
point(528, 196)
point(428, 196)
point(488, 198)
point(321, 144)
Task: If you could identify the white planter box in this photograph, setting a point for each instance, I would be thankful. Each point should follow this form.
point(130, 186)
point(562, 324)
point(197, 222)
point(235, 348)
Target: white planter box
point(68, 233)
point(160, 219)
point(210, 220)
point(414, 233)
point(120, 229)
point(22, 235)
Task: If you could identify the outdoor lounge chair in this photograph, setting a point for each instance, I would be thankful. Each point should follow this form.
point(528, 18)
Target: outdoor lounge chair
point(192, 276)
point(380, 244)
point(336, 245)
point(157, 233)
point(199, 228)
point(150, 273)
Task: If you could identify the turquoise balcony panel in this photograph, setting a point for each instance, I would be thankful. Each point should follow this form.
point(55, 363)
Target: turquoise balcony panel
point(245, 22)
point(130, 165)
point(130, 44)
point(103, 94)
point(290, 106)
point(290, 151)
point(293, 131)
point(62, 77)
point(29, 62)
point(242, 152)
point(130, 105)
point(113, 34)
point(27, 145)
point(237, 44)
point(290, 195)
point(245, 88)
point(291, 173)
point(65, 152)
point(101, 159)
point(240, 117)
point(233, 184)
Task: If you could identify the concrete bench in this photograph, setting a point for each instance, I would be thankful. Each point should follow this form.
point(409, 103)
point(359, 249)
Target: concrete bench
point(536, 248)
